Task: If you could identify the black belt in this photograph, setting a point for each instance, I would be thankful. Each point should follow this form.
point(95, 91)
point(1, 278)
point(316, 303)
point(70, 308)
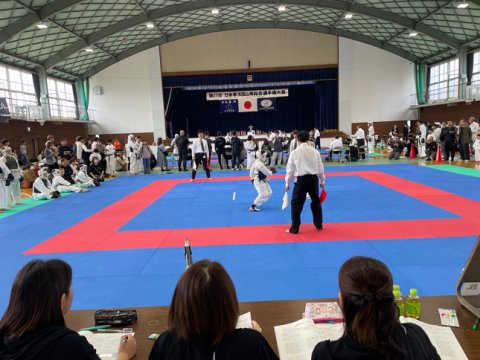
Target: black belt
point(306, 175)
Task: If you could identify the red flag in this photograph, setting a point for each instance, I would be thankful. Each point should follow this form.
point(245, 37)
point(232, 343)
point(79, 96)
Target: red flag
point(323, 196)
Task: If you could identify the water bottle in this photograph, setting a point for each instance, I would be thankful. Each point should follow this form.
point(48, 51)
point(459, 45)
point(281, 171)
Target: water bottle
point(413, 305)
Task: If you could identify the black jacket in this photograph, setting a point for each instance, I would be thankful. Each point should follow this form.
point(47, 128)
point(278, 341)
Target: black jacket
point(182, 144)
point(220, 143)
point(242, 344)
point(237, 145)
point(52, 343)
point(412, 339)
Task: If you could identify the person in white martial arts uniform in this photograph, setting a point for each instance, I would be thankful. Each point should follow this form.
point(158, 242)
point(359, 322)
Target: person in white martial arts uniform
point(133, 154)
point(14, 192)
point(83, 180)
point(6, 177)
point(250, 146)
point(421, 138)
point(110, 158)
point(42, 188)
point(371, 138)
point(359, 137)
point(63, 186)
point(259, 176)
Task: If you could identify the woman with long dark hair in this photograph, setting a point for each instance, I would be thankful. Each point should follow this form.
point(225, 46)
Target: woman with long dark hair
point(33, 326)
point(372, 328)
point(202, 320)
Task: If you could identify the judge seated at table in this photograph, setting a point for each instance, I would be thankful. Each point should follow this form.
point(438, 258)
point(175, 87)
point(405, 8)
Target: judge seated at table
point(33, 326)
point(336, 146)
point(202, 321)
point(372, 329)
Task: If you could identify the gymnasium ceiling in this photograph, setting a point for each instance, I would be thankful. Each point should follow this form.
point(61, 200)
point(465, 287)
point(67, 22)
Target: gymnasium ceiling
point(116, 29)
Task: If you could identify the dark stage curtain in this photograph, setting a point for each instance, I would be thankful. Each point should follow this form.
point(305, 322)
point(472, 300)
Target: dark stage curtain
point(307, 106)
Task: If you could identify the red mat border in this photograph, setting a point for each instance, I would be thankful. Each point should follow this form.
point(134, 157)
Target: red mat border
point(100, 231)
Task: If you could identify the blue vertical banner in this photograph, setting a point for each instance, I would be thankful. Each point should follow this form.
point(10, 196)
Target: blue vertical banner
point(228, 106)
point(267, 104)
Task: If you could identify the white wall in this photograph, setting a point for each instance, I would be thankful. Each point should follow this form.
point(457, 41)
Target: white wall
point(374, 85)
point(132, 99)
point(265, 48)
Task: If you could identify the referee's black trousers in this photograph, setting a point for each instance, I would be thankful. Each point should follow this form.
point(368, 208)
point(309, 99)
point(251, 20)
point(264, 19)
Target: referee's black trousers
point(200, 158)
point(307, 184)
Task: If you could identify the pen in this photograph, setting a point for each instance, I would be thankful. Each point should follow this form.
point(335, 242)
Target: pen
point(93, 328)
point(475, 324)
point(110, 331)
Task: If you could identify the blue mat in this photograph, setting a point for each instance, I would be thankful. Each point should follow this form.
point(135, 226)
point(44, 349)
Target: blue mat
point(133, 278)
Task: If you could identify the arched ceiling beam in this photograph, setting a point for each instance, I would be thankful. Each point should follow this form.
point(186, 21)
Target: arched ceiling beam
point(248, 25)
point(35, 16)
point(206, 4)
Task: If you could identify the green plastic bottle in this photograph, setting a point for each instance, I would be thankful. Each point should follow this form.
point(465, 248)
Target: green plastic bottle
point(400, 302)
point(413, 305)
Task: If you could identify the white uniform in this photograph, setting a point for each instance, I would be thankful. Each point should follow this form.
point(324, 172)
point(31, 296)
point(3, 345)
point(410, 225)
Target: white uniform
point(83, 180)
point(134, 156)
point(110, 159)
point(474, 127)
point(371, 139)
point(259, 174)
point(4, 191)
point(42, 188)
point(476, 147)
point(422, 139)
point(250, 147)
point(13, 190)
point(61, 185)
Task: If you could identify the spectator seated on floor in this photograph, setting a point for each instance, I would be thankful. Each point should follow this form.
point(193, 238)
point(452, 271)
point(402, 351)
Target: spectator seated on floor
point(411, 140)
point(431, 149)
point(396, 147)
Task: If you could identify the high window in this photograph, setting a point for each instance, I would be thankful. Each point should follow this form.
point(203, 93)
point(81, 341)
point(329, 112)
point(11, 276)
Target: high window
point(444, 80)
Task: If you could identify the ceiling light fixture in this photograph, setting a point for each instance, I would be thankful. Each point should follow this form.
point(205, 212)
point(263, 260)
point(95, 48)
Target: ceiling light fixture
point(348, 15)
point(150, 25)
point(412, 33)
point(215, 11)
point(463, 5)
point(89, 49)
point(282, 8)
point(42, 25)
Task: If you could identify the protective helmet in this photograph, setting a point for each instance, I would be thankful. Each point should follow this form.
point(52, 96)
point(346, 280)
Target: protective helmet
point(84, 168)
point(57, 172)
point(43, 173)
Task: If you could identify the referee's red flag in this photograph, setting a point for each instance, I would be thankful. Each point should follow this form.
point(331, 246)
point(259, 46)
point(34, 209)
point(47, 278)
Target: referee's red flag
point(323, 196)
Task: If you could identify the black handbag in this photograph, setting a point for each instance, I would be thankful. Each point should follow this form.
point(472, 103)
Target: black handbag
point(115, 317)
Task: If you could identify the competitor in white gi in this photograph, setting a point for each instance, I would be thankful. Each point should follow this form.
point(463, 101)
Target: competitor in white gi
point(421, 138)
point(133, 154)
point(259, 176)
point(6, 177)
point(42, 188)
point(250, 146)
point(82, 179)
point(371, 138)
point(63, 186)
point(110, 158)
point(14, 192)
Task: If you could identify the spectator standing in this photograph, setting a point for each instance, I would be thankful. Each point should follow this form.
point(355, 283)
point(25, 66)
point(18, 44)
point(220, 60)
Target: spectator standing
point(146, 154)
point(464, 140)
point(24, 153)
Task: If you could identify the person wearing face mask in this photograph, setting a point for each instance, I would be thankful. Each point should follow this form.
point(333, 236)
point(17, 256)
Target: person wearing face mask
point(42, 188)
point(11, 161)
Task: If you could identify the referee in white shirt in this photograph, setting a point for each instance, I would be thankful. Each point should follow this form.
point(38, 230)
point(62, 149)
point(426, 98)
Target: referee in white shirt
point(200, 154)
point(306, 168)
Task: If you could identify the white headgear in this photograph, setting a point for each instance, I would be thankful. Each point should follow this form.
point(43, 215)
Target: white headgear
point(261, 155)
point(130, 137)
point(57, 172)
point(43, 173)
point(84, 168)
point(7, 151)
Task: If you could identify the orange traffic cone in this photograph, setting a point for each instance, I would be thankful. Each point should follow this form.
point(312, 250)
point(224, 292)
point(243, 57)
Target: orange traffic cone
point(438, 159)
point(412, 152)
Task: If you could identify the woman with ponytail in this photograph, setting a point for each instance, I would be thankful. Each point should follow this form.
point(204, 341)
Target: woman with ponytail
point(372, 330)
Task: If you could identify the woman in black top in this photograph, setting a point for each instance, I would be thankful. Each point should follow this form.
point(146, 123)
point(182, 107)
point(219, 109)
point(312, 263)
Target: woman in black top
point(33, 326)
point(372, 329)
point(202, 320)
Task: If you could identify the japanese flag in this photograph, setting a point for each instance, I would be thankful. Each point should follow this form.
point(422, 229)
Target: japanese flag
point(247, 105)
